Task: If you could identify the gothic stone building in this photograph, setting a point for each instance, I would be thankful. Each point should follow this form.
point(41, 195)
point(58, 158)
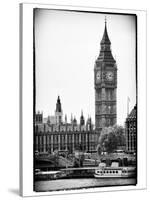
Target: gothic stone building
point(131, 131)
point(56, 135)
point(62, 136)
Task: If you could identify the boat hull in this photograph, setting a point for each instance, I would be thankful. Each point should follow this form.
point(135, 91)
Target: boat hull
point(113, 176)
point(109, 172)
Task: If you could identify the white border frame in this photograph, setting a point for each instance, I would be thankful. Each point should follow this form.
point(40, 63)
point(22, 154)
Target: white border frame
point(26, 98)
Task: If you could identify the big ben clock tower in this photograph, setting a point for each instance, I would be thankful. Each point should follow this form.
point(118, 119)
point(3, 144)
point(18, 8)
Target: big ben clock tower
point(105, 82)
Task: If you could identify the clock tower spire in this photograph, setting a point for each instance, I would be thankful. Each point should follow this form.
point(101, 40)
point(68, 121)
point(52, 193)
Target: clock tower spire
point(105, 82)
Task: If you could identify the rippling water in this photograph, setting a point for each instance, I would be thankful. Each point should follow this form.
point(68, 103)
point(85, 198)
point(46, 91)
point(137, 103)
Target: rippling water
point(68, 184)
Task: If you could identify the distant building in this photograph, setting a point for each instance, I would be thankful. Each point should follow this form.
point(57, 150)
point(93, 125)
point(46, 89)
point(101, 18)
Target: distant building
point(131, 130)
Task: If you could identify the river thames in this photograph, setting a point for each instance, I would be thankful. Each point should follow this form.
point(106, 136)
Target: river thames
point(80, 183)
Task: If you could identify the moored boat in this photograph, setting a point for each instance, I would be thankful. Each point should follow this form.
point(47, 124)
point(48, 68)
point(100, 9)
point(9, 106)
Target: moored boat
point(114, 171)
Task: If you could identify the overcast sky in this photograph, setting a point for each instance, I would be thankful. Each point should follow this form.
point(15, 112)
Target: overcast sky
point(67, 45)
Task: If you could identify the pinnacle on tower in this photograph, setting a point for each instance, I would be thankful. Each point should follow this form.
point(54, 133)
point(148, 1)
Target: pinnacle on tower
point(82, 121)
point(71, 118)
point(105, 51)
point(105, 38)
point(58, 105)
point(65, 118)
point(74, 121)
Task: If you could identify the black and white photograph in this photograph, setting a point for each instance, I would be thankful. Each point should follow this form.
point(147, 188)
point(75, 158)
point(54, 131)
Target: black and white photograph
point(74, 99)
point(85, 99)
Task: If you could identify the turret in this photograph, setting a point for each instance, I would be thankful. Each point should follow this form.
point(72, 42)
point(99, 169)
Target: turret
point(71, 120)
point(89, 123)
point(74, 121)
point(65, 119)
point(82, 121)
point(58, 105)
point(58, 112)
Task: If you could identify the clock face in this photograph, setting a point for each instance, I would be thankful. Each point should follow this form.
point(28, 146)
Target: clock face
point(109, 76)
point(98, 76)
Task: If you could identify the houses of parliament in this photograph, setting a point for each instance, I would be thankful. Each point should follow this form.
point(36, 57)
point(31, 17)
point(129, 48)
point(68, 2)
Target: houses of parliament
point(55, 134)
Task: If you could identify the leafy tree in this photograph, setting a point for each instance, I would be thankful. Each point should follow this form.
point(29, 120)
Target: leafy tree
point(110, 139)
point(120, 133)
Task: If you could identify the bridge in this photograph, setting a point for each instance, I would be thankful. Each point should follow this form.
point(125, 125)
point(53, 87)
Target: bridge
point(52, 162)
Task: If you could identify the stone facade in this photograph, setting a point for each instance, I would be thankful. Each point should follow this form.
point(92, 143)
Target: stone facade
point(67, 137)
